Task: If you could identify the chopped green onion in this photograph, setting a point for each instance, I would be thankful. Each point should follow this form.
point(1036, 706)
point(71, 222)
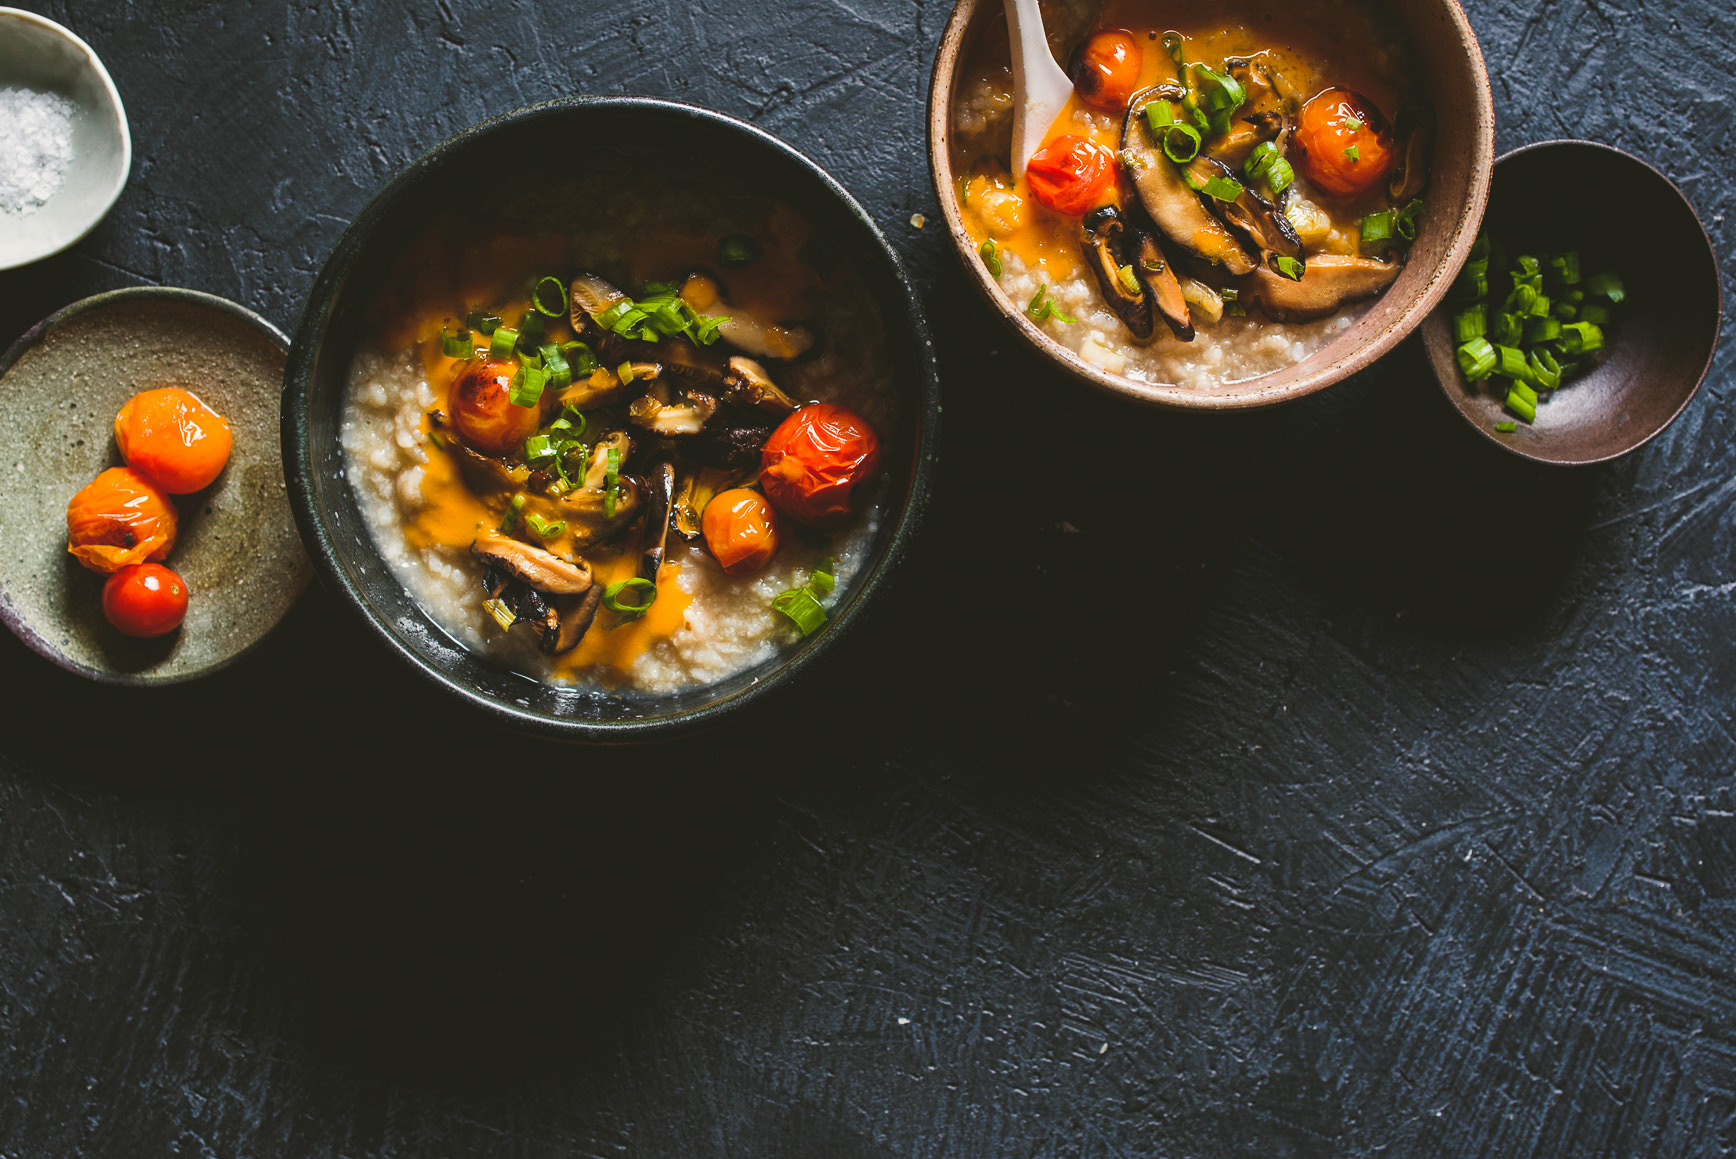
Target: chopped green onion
point(1377, 226)
point(542, 527)
point(739, 250)
point(1471, 285)
point(1540, 306)
point(624, 372)
point(1221, 188)
point(611, 481)
point(822, 580)
point(527, 385)
point(1565, 311)
point(502, 342)
point(531, 325)
point(1220, 96)
point(1509, 362)
point(1471, 322)
point(579, 357)
point(1128, 281)
point(1353, 153)
point(1526, 268)
point(478, 320)
point(456, 345)
point(1187, 150)
point(1581, 338)
point(511, 520)
point(501, 613)
point(1351, 124)
point(1542, 330)
point(1525, 408)
point(1280, 176)
point(1477, 359)
point(1506, 428)
point(1259, 160)
point(1289, 267)
point(1606, 286)
point(1043, 307)
point(1545, 371)
point(802, 609)
point(550, 297)
point(538, 448)
point(991, 257)
point(1508, 330)
point(1566, 267)
point(560, 374)
point(612, 597)
point(435, 438)
point(1404, 222)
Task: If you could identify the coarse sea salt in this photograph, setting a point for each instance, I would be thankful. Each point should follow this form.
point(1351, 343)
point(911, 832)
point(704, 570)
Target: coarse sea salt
point(35, 148)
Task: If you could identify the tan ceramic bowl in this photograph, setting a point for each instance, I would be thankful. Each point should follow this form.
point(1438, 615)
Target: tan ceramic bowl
point(1454, 79)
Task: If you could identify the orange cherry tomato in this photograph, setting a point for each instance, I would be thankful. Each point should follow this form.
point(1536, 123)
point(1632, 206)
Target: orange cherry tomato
point(1106, 69)
point(145, 600)
point(815, 460)
point(482, 408)
point(1071, 174)
point(1342, 143)
point(741, 530)
point(119, 519)
point(173, 439)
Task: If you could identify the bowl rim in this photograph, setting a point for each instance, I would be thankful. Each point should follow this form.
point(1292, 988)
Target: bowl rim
point(27, 341)
point(123, 170)
point(1171, 396)
point(1523, 450)
point(925, 401)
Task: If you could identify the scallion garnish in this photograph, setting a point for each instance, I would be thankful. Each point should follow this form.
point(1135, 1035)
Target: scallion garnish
point(543, 528)
point(1566, 267)
point(1509, 362)
point(1471, 322)
point(1377, 226)
point(1607, 287)
point(1477, 359)
point(527, 385)
point(579, 357)
point(613, 601)
point(483, 321)
point(537, 448)
point(550, 297)
point(502, 342)
point(511, 521)
point(1521, 405)
point(1128, 280)
point(1222, 188)
point(802, 606)
point(531, 325)
point(1542, 330)
point(1506, 428)
point(1043, 307)
point(1545, 371)
point(456, 345)
point(555, 363)
point(991, 257)
point(739, 250)
point(1288, 266)
point(1353, 153)
point(611, 481)
point(1581, 338)
point(1404, 222)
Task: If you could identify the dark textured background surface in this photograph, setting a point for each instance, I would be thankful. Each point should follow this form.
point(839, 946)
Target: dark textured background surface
point(1318, 782)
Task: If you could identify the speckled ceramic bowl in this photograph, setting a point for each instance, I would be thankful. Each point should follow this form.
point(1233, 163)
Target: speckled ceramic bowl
point(39, 55)
point(331, 327)
point(60, 386)
point(1554, 195)
point(1455, 82)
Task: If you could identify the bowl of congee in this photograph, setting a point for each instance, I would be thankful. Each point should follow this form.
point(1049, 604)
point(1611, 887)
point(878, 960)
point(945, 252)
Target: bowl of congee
point(1239, 203)
point(609, 415)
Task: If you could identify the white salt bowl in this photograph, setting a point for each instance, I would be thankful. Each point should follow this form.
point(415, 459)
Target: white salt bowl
point(39, 55)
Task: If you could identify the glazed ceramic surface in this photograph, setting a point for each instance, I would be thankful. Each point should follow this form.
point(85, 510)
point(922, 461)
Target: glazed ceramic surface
point(1556, 195)
point(60, 386)
point(330, 330)
point(1455, 82)
point(36, 53)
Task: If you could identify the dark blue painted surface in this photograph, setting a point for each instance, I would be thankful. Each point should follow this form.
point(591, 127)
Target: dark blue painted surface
point(1318, 782)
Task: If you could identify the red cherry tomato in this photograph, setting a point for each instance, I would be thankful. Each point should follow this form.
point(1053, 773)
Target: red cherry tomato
point(741, 530)
point(482, 409)
point(145, 600)
point(1342, 143)
point(1071, 174)
point(815, 460)
point(1106, 69)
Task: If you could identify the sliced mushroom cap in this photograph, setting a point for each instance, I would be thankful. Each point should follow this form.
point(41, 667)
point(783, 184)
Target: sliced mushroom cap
point(1331, 281)
point(697, 487)
point(760, 339)
point(597, 471)
point(576, 615)
point(1415, 130)
point(1179, 212)
point(591, 298)
point(1261, 117)
point(659, 499)
point(485, 473)
point(603, 386)
point(1254, 219)
point(532, 565)
point(746, 383)
point(1156, 273)
point(1104, 240)
point(661, 412)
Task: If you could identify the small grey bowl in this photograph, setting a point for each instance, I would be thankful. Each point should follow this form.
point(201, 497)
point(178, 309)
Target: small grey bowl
point(36, 53)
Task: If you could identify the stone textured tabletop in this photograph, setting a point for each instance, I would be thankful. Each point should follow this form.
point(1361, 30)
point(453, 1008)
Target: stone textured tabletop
point(1313, 782)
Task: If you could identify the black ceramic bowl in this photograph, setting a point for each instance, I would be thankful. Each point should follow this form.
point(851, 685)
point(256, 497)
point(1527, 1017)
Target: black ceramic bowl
point(331, 326)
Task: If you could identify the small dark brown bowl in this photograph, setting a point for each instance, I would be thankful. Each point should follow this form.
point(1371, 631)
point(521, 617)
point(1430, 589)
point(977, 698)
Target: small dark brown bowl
point(1558, 195)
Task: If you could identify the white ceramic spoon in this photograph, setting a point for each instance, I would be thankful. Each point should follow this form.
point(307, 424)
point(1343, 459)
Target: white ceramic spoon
point(1040, 88)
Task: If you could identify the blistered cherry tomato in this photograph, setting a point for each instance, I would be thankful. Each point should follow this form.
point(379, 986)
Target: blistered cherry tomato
point(173, 439)
point(815, 460)
point(1342, 143)
point(1071, 174)
point(121, 518)
point(145, 600)
point(482, 409)
point(740, 530)
point(1105, 69)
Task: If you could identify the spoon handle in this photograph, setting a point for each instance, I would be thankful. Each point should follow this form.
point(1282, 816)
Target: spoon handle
point(1040, 88)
